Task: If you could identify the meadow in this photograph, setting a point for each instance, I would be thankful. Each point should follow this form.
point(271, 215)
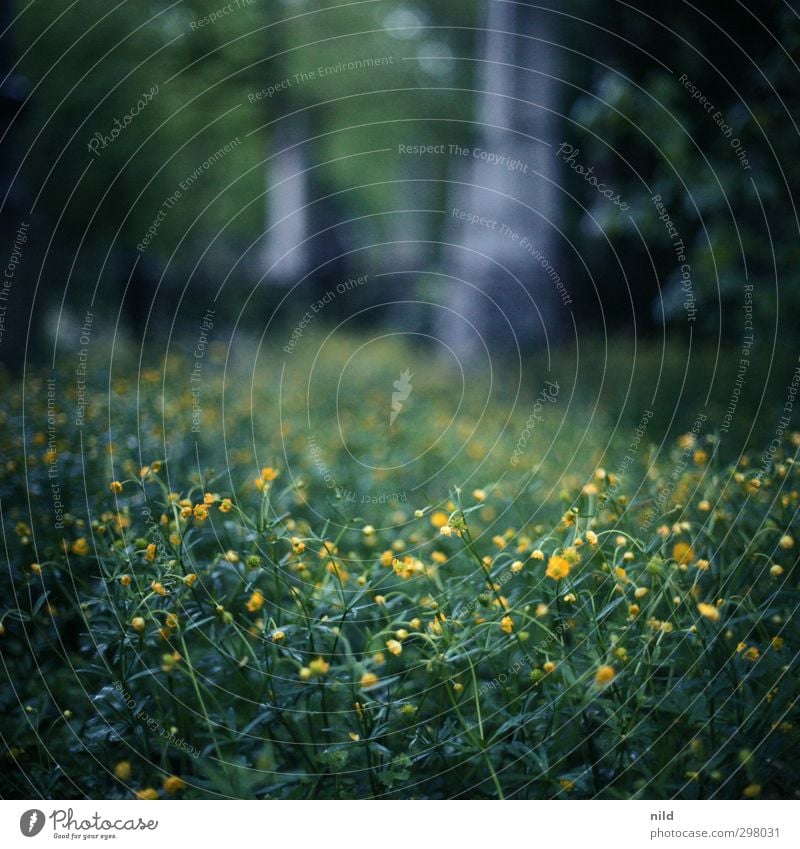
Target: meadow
point(246, 579)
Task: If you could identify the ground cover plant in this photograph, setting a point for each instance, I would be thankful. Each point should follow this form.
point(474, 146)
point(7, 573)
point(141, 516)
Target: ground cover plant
point(298, 599)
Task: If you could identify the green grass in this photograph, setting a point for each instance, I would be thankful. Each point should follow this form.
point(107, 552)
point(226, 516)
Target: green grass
point(311, 656)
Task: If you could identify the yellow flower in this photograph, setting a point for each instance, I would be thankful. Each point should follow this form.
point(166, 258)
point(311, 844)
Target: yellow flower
point(752, 791)
point(751, 654)
point(158, 588)
point(557, 567)
point(604, 675)
point(458, 686)
point(566, 785)
point(147, 793)
point(537, 554)
point(186, 512)
point(709, 611)
point(569, 598)
point(380, 600)
point(190, 579)
point(415, 624)
point(786, 542)
point(542, 609)
point(446, 531)
point(123, 770)
point(516, 566)
point(209, 498)
point(499, 541)
point(395, 647)
point(777, 643)
point(353, 736)
point(150, 552)
point(256, 601)
point(115, 487)
point(269, 474)
point(36, 569)
point(125, 580)
point(138, 624)
point(369, 679)
point(479, 494)
point(776, 571)
point(305, 673)
point(683, 552)
point(80, 547)
point(640, 592)
point(173, 784)
point(200, 512)
point(506, 624)
point(319, 667)
point(225, 506)
point(278, 635)
point(591, 537)
point(549, 666)
point(439, 519)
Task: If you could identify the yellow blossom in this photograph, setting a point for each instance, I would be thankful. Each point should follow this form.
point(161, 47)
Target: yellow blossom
point(80, 547)
point(115, 487)
point(138, 624)
point(122, 770)
point(190, 579)
point(709, 611)
point(395, 647)
point(683, 552)
point(225, 506)
point(479, 494)
point(200, 512)
point(506, 624)
point(173, 784)
point(150, 552)
point(549, 666)
point(604, 675)
point(537, 554)
point(147, 793)
point(558, 567)
point(158, 588)
point(319, 667)
point(439, 519)
point(369, 679)
point(256, 601)
point(516, 566)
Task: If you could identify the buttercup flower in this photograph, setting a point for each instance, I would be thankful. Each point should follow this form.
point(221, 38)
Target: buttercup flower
point(709, 611)
point(557, 567)
point(256, 601)
point(604, 675)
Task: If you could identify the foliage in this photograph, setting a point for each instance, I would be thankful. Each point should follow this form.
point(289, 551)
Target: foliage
point(215, 619)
